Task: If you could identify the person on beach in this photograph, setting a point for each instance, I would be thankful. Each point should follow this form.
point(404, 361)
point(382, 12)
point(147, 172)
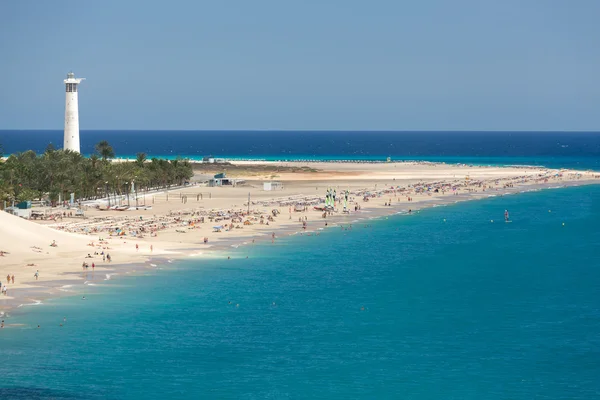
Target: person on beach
point(8, 278)
point(137, 247)
point(151, 248)
point(93, 266)
point(13, 278)
point(37, 274)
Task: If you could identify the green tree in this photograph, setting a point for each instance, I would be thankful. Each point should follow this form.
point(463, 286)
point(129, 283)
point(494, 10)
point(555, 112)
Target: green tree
point(140, 159)
point(105, 150)
point(58, 173)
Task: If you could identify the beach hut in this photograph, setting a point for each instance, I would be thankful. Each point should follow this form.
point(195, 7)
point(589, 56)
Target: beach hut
point(217, 180)
point(222, 180)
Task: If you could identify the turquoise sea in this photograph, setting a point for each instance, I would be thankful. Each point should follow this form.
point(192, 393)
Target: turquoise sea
point(443, 304)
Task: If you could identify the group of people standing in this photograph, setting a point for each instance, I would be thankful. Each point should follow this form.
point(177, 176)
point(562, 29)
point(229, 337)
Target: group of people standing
point(3, 288)
point(11, 279)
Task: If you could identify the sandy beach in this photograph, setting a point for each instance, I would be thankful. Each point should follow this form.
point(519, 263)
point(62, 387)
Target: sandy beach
point(202, 221)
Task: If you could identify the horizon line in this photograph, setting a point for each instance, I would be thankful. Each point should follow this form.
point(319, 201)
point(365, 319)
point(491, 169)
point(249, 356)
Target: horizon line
point(316, 130)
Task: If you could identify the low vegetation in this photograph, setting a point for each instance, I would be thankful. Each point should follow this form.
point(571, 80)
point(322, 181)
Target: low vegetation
point(258, 170)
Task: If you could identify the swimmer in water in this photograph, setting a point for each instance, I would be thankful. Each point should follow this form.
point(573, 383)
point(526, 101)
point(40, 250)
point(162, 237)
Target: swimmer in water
point(506, 215)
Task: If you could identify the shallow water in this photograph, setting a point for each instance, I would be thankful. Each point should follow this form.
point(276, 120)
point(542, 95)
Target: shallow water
point(408, 307)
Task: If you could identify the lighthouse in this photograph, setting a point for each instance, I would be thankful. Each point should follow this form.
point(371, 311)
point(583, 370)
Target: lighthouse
point(71, 113)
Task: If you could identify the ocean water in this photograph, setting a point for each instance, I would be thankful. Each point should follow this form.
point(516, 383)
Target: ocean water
point(443, 304)
point(552, 149)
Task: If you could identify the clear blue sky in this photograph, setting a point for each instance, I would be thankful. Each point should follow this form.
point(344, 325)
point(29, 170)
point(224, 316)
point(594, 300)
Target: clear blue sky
point(343, 64)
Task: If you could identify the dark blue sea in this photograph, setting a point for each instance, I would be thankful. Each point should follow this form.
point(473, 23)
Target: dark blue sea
point(441, 304)
point(552, 149)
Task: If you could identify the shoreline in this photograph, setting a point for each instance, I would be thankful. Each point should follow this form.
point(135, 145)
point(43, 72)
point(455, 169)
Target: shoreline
point(70, 283)
point(378, 159)
point(73, 287)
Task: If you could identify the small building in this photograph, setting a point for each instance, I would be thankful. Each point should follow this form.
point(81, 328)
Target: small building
point(268, 186)
point(215, 182)
point(208, 159)
point(19, 212)
point(221, 180)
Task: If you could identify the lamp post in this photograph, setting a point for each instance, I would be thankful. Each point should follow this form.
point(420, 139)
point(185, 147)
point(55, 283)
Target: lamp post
point(117, 189)
point(135, 189)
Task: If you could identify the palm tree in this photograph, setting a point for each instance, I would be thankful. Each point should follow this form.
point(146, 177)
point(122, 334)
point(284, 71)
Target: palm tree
point(57, 173)
point(105, 150)
point(140, 159)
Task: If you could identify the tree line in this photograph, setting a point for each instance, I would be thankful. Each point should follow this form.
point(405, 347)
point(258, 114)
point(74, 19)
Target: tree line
point(57, 173)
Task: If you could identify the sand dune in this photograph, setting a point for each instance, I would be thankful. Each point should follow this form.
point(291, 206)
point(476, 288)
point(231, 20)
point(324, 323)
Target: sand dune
point(18, 235)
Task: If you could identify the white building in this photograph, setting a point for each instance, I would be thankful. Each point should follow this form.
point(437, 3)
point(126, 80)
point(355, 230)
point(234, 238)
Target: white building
point(71, 139)
point(268, 186)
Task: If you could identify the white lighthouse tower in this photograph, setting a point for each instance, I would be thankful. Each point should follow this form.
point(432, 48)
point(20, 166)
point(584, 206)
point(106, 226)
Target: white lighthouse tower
point(72, 113)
